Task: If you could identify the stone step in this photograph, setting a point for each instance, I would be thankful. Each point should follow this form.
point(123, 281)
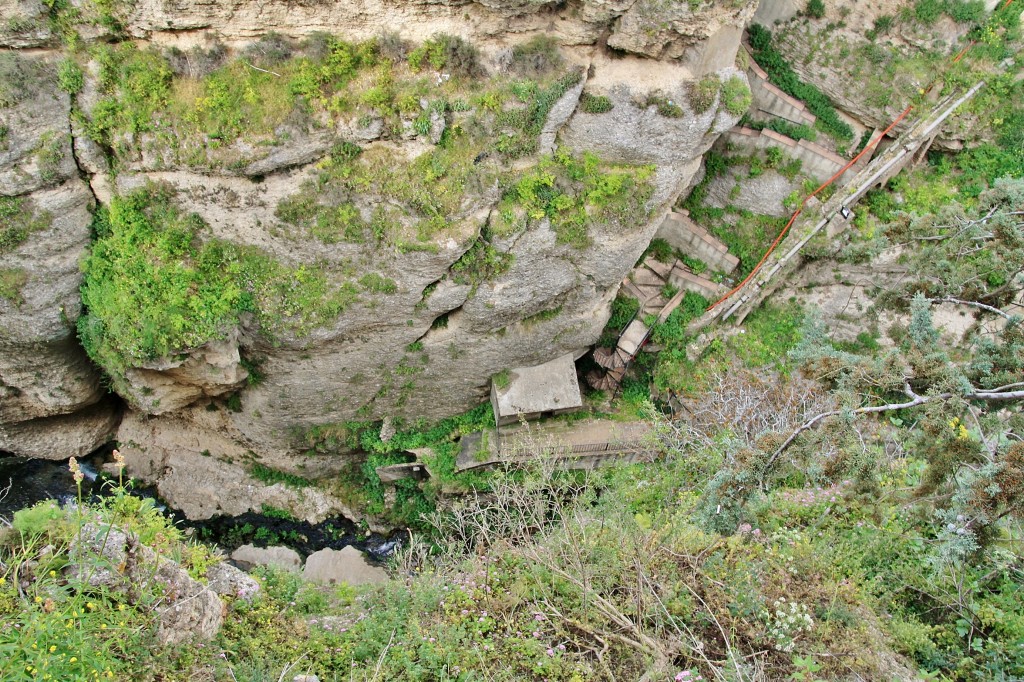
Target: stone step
point(633, 338)
point(633, 291)
point(644, 276)
point(688, 281)
point(660, 269)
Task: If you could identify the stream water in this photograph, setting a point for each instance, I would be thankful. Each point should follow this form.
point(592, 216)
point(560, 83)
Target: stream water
point(29, 481)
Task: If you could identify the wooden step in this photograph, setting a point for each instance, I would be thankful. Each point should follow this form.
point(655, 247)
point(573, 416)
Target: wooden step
point(660, 269)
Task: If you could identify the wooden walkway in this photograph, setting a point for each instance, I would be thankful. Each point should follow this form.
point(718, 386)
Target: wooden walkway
point(834, 215)
point(585, 444)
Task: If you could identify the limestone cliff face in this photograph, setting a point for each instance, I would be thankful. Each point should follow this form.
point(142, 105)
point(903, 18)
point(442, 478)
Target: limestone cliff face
point(420, 340)
point(52, 403)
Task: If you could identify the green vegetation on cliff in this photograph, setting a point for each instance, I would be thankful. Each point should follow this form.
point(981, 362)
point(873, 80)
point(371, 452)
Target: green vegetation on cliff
point(18, 220)
point(155, 284)
point(781, 74)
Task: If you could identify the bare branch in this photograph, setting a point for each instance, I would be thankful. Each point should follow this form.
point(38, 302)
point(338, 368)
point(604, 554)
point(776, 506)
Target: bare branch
point(974, 304)
point(273, 73)
point(916, 400)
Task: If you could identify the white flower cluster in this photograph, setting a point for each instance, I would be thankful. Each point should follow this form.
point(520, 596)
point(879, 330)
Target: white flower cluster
point(786, 622)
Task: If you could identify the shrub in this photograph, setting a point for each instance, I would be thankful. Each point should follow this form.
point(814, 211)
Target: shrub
point(198, 61)
point(393, 47)
point(378, 284)
point(536, 57)
point(480, 263)
point(69, 76)
point(595, 104)
point(20, 78)
point(966, 11)
point(18, 220)
point(152, 286)
point(449, 53)
point(928, 11)
point(815, 8)
point(665, 106)
point(703, 93)
point(271, 49)
point(736, 96)
point(783, 127)
point(11, 282)
point(881, 26)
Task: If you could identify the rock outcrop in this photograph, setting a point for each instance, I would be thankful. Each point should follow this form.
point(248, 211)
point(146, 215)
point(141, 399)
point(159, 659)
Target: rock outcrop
point(52, 403)
point(117, 561)
point(417, 338)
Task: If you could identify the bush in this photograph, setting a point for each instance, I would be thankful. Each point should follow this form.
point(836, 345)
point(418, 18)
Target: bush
point(665, 106)
point(69, 76)
point(815, 8)
point(153, 287)
point(966, 12)
point(198, 61)
point(736, 96)
point(393, 47)
point(595, 104)
point(536, 57)
point(928, 11)
point(449, 53)
point(703, 93)
point(270, 50)
point(18, 220)
point(783, 127)
point(20, 78)
point(11, 282)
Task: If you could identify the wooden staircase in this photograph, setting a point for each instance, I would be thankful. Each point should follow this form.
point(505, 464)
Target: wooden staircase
point(647, 284)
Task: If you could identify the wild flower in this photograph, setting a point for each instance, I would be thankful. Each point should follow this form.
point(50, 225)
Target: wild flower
point(786, 622)
point(76, 471)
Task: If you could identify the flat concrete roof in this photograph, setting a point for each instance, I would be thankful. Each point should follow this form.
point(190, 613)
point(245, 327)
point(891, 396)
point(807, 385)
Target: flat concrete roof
point(542, 388)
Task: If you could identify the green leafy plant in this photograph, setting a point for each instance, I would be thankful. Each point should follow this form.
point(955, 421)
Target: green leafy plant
point(153, 287)
point(70, 77)
point(595, 104)
point(704, 92)
point(736, 96)
point(815, 9)
point(18, 220)
point(782, 75)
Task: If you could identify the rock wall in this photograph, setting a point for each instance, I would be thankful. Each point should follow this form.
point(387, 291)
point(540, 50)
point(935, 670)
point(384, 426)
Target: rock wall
point(52, 403)
point(426, 346)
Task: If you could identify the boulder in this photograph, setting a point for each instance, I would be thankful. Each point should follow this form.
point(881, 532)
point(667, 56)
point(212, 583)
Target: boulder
point(228, 581)
point(110, 558)
point(348, 565)
point(278, 557)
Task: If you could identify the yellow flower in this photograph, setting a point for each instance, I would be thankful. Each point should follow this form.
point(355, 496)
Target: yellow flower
point(103, 626)
point(52, 649)
point(3, 581)
point(37, 599)
point(73, 659)
point(53, 574)
point(120, 607)
point(90, 606)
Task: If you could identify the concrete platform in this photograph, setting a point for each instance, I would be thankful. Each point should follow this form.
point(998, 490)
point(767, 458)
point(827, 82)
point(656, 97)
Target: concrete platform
point(550, 388)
